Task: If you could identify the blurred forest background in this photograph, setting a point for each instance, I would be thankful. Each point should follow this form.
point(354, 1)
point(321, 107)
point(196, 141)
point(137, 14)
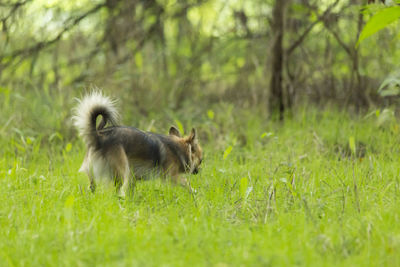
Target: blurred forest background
point(193, 58)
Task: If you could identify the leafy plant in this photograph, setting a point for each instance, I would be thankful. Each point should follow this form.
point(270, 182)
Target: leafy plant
point(390, 86)
point(379, 21)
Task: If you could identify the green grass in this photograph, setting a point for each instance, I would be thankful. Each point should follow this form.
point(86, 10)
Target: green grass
point(290, 194)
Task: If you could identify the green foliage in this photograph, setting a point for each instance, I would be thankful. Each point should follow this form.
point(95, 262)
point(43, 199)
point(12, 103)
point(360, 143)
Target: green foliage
point(227, 151)
point(352, 144)
point(390, 86)
point(379, 21)
point(167, 53)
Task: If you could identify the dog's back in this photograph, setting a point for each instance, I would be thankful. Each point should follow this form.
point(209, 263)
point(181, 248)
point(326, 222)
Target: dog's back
point(146, 151)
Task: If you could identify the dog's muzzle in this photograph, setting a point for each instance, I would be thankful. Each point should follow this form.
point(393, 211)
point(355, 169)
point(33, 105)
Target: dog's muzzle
point(196, 170)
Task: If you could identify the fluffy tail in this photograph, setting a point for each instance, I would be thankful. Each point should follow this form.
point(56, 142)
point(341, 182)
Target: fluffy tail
point(86, 112)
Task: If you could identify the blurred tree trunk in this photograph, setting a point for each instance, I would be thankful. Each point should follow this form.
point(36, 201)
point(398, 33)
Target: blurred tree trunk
point(276, 101)
point(360, 96)
point(358, 93)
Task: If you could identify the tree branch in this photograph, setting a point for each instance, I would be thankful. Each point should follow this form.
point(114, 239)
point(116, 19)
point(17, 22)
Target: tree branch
point(338, 39)
point(14, 4)
point(309, 28)
point(43, 44)
point(14, 8)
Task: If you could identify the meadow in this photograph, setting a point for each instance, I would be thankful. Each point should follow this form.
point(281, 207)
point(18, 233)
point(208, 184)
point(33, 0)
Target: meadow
point(319, 189)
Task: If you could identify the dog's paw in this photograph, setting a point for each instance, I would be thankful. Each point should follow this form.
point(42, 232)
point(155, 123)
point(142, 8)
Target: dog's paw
point(192, 190)
point(121, 194)
point(92, 188)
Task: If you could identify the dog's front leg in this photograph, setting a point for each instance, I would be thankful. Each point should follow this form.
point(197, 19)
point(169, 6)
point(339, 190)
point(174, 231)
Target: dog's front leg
point(92, 185)
point(177, 179)
point(120, 165)
point(127, 189)
point(92, 182)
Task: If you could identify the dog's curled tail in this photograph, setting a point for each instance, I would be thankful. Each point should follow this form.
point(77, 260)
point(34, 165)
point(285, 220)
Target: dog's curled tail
point(86, 112)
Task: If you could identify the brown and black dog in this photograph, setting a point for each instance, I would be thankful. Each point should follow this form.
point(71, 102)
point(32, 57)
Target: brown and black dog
point(125, 154)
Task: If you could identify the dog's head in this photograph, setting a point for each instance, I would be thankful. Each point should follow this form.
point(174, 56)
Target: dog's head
point(192, 148)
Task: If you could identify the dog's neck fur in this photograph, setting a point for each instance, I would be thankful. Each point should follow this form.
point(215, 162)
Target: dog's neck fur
point(182, 155)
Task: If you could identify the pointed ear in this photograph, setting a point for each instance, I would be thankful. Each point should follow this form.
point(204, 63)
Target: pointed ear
point(193, 136)
point(174, 131)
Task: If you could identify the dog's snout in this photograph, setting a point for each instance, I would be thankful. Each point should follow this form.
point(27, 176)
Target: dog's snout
point(196, 171)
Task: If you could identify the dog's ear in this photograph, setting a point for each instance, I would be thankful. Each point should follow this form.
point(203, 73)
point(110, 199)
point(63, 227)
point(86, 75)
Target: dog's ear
point(174, 131)
point(193, 136)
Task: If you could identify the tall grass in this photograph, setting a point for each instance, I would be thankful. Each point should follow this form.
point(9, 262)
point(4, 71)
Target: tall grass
point(320, 189)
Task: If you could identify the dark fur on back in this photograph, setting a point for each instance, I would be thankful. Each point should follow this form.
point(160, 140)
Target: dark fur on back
point(137, 144)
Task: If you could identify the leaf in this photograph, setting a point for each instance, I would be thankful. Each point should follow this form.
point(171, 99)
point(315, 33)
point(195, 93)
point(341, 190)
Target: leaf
point(385, 116)
point(210, 114)
point(391, 81)
point(139, 60)
point(68, 147)
point(379, 21)
point(390, 87)
point(352, 144)
point(240, 62)
point(54, 136)
point(243, 186)
point(29, 140)
point(299, 8)
point(266, 135)
point(69, 202)
point(313, 16)
point(227, 151)
point(391, 91)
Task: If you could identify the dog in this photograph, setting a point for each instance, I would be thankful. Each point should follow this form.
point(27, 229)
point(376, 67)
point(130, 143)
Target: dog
point(125, 154)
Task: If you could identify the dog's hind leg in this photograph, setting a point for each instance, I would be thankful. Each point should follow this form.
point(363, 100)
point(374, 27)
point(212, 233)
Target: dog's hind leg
point(92, 183)
point(86, 168)
point(123, 178)
point(128, 185)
